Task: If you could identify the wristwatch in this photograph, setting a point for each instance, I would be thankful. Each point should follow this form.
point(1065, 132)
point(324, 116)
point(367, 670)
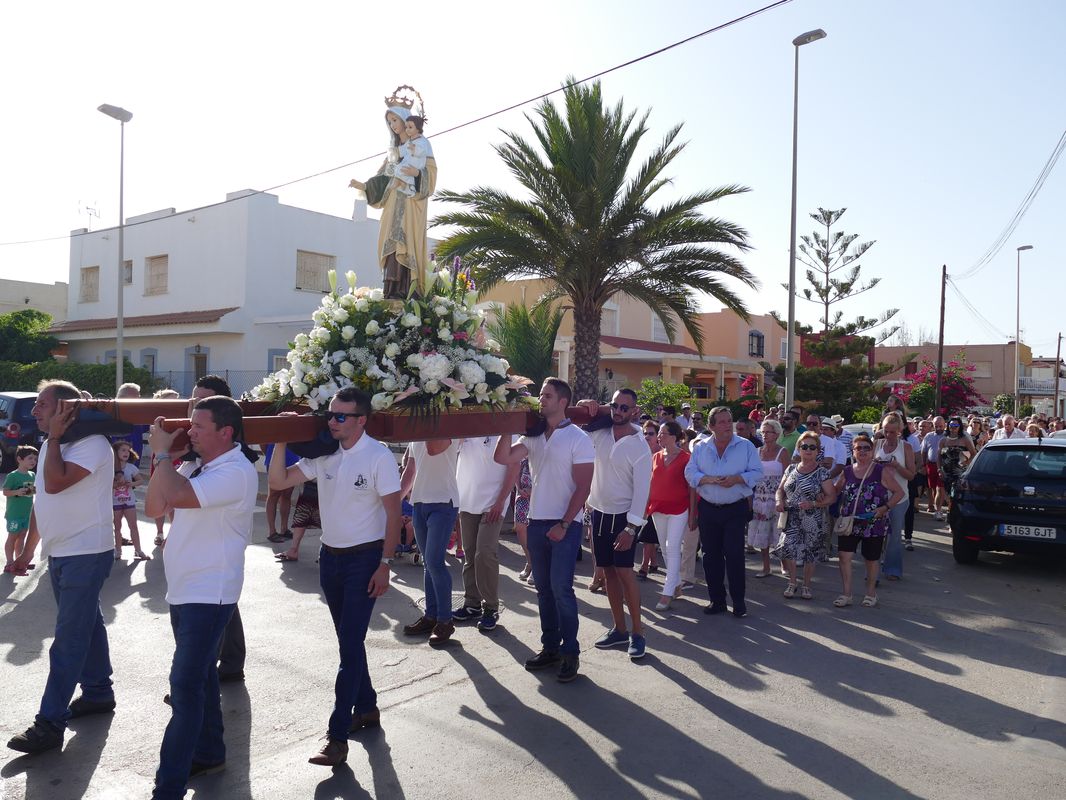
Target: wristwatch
point(631, 528)
point(387, 562)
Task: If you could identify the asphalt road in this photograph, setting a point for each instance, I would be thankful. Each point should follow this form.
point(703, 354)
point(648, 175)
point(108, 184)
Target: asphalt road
point(954, 687)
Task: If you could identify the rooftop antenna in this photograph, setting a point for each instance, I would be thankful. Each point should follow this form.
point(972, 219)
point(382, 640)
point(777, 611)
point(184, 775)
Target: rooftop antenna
point(91, 211)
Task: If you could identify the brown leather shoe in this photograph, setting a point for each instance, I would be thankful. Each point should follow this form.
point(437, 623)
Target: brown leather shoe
point(442, 632)
point(420, 627)
point(331, 754)
point(371, 719)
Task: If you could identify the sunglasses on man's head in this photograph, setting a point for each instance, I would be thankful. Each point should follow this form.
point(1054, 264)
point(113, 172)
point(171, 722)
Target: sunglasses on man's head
point(342, 416)
point(808, 447)
point(623, 407)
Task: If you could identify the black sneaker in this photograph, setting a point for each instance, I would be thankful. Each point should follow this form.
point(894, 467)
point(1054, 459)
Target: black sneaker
point(715, 608)
point(568, 669)
point(80, 707)
point(488, 621)
point(908, 544)
point(543, 659)
point(197, 769)
point(287, 534)
point(740, 611)
point(40, 736)
point(466, 614)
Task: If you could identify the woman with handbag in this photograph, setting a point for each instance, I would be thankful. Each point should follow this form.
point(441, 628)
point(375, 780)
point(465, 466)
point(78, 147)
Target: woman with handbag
point(867, 493)
point(805, 492)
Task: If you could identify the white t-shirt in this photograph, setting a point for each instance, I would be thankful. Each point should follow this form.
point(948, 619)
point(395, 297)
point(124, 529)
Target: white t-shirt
point(78, 521)
point(204, 557)
point(622, 479)
point(835, 449)
point(550, 466)
point(478, 475)
point(434, 475)
point(1001, 433)
point(351, 484)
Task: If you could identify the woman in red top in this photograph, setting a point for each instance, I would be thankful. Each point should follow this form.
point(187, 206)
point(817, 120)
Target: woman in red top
point(757, 415)
point(668, 504)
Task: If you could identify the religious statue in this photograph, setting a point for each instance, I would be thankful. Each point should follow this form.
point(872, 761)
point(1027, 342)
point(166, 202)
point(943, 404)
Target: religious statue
point(401, 189)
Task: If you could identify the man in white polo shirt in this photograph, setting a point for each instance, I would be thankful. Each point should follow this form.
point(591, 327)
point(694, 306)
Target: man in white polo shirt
point(213, 500)
point(359, 503)
point(72, 516)
point(560, 464)
point(484, 494)
point(619, 496)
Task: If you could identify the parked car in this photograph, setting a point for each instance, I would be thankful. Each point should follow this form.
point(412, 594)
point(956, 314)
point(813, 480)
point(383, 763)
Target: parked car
point(17, 425)
point(1012, 498)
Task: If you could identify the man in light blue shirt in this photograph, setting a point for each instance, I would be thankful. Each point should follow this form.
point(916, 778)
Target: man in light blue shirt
point(724, 470)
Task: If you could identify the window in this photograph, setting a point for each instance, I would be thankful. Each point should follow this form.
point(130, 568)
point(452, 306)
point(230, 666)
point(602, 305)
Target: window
point(609, 321)
point(784, 349)
point(756, 344)
point(312, 269)
point(155, 274)
point(982, 369)
point(90, 285)
point(148, 362)
point(279, 362)
point(658, 332)
point(127, 272)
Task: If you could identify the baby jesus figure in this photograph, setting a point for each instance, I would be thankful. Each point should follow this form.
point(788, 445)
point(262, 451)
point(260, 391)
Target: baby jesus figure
point(412, 153)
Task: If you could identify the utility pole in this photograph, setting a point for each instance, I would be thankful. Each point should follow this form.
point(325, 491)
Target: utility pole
point(1058, 355)
point(940, 345)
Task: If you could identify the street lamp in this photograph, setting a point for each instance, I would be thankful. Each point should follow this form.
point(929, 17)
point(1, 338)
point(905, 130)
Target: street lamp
point(790, 351)
point(123, 116)
point(1018, 330)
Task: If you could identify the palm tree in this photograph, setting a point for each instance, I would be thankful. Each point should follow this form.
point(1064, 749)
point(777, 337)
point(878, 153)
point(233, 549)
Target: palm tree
point(587, 227)
point(527, 338)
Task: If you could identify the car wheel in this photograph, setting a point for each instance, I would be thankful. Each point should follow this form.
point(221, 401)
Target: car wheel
point(965, 552)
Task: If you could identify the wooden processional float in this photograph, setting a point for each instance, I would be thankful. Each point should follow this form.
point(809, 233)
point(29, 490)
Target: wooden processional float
point(262, 424)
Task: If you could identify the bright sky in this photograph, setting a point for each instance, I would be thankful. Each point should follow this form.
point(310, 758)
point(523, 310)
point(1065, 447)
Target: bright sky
point(928, 121)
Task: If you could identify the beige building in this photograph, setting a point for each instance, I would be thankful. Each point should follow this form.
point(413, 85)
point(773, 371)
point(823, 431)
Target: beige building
point(48, 297)
point(634, 345)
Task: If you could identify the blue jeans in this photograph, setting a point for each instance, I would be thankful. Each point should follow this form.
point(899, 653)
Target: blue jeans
point(434, 523)
point(345, 580)
point(553, 572)
point(893, 560)
point(194, 732)
point(79, 653)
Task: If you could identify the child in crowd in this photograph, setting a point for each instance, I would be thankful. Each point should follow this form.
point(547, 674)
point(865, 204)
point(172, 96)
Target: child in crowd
point(127, 478)
point(18, 489)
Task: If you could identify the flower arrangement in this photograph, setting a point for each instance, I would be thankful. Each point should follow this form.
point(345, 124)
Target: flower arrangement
point(424, 356)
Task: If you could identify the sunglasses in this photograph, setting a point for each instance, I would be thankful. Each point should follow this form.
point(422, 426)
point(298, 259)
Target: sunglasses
point(651, 433)
point(621, 407)
point(859, 447)
point(953, 425)
point(341, 417)
point(808, 447)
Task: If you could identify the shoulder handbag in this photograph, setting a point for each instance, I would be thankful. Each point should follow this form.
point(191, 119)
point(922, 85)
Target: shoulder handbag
point(843, 525)
point(782, 516)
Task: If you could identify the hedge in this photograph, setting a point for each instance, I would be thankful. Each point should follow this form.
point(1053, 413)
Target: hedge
point(99, 379)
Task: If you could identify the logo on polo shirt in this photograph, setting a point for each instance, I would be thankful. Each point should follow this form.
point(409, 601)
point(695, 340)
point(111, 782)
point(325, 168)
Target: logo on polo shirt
point(360, 482)
point(329, 477)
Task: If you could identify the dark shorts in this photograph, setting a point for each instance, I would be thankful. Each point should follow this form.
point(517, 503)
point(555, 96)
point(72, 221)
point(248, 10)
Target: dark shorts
point(871, 545)
point(605, 530)
point(306, 513)
point(648, 534)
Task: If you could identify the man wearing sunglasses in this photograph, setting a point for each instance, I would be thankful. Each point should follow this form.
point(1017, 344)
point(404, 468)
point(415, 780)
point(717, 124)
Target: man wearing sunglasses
point(359, 503)
point(618, 498)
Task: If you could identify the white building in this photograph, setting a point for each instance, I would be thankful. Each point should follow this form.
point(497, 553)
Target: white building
point(220, 289)
point(48, 297)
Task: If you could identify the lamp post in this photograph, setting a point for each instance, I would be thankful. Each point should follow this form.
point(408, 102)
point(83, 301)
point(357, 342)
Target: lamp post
point(1018, 330)
point(790, 351)
point(123, 116)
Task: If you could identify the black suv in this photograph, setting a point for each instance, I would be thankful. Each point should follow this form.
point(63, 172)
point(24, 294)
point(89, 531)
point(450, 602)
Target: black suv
point(1013, 498)
point(17, 425)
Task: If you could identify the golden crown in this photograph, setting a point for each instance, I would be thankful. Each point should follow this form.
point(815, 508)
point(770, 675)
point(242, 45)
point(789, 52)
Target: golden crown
point(405, 97)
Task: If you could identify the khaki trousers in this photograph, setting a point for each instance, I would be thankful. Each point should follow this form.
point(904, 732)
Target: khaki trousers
point(481, 561)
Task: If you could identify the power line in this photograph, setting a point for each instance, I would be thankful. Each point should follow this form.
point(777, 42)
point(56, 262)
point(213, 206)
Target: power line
point(1008, 231)
point(482, 118)
point(977, 315)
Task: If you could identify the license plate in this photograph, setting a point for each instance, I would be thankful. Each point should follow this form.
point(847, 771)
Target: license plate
point(1027, 531)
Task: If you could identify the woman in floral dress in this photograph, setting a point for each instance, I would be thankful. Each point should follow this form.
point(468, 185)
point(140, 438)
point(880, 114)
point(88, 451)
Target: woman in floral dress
point(805, 492)
point(775, 460)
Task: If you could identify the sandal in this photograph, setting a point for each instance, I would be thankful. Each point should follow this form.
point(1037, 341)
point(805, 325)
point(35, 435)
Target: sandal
point(642, 575)
point(843, 600)
point(275, 538)
point(597, 586)
point(159, 540)
point(790, 591)
point(764, 574)
point(805, 593)
point(284, 557)
point(869, 601)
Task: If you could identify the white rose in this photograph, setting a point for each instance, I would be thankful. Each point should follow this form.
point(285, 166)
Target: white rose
point(347, 301)
point(389, 384)
point(347, 370)
point(380, 401)
point(347, 333)
point(301, 340)
point(320, 335)
point(392, 349)
point(299, 388)
point(319, 317)
point(340, 315)
point(372, 327)
point(409, 320)
point(444, 335)
point(361, 304)
point(376, 295)
point(492, 344)
point(439, 310)
point(292, 356)
point(415, 360)
point(431, 386)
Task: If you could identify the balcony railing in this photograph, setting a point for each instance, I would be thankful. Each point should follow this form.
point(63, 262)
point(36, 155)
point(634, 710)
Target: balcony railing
point(1040, 386)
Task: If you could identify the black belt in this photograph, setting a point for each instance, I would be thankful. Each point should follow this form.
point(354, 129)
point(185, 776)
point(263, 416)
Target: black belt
point(377, 544)
point(724, 505)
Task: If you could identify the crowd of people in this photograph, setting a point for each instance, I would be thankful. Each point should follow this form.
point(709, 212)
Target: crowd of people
point(783, 484)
